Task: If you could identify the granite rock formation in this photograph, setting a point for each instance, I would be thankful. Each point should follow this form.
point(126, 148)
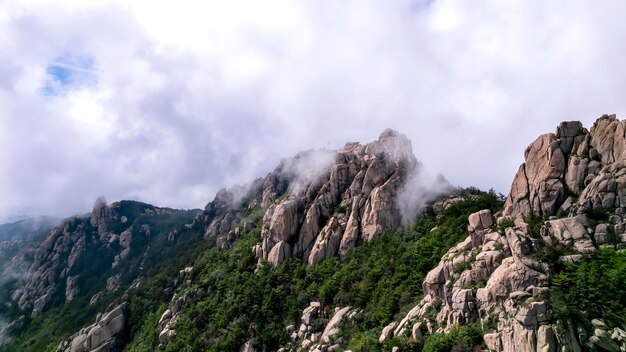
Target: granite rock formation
point(320, 203)
point(493, 278)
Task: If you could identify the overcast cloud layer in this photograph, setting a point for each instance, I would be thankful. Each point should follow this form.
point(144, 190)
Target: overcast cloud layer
point(168, 102)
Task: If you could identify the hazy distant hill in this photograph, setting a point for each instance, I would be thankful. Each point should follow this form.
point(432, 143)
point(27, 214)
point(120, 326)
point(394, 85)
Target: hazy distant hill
point(27, 228)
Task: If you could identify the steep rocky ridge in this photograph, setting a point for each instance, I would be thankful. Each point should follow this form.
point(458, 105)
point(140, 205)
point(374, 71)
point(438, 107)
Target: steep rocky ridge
point(82, 255)
point(321, 203)
point(18, 243)
point(497, 276)
point(565, 202)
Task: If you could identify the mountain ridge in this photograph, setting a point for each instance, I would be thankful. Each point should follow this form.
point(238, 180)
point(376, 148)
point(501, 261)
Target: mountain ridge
point(312, 238)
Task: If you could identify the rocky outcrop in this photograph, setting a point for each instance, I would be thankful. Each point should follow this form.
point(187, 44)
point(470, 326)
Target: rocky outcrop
point(100, 215)
point(310, 337)
point(571, 164)
point(106, 334)
point(320, 203)
point(56, 273)
point(540, 185)
point(494, 276)
point(169, 318)
point(247, 347)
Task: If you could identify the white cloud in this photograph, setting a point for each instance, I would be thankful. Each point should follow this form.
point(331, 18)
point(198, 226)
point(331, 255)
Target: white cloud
point(186, 97)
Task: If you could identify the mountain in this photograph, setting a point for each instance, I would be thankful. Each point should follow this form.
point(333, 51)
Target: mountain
point(17, 237)
point(18, 242)
point(323, 203)
point(565, 211)
point(84, 262)
point(353, 249)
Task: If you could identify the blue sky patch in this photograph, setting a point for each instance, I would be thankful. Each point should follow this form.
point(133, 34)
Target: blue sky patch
point(69, 72)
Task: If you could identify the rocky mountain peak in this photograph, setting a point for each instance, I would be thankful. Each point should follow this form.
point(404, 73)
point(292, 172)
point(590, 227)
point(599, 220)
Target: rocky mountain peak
point(499, 277)
point(567, 206)
point(560, 166)
point(320, 203)
point(396, 145)
point(100, 214)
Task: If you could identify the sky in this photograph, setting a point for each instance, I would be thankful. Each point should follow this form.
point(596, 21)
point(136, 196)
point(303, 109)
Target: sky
point(168, 101)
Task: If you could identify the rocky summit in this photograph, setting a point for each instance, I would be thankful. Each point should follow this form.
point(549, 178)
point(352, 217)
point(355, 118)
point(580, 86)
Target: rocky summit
point(346, 250)
point(573, 170)
point(319, 203)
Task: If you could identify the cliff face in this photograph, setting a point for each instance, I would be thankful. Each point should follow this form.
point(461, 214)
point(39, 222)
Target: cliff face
point(320, 204)
point(496, 277)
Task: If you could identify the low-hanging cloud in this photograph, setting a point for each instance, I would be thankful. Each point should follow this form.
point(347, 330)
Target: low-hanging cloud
point(169, 102)
point(419, 189)
point(307, 168)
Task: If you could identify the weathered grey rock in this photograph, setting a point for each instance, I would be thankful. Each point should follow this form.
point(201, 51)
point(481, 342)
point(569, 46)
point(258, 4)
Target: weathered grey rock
point(607, 138)
point(56, 272)
point(280, 252)
point(546, 339)
point(327, 242)
point(570, 231)
point(71, 291)
point(492, 340)
point(575, 171)
point(537, 185)
point(480, 220)
point(564, 164)
point(41, 303)
point(417, 332)
point(518, 242)
point(332, 328)
point(445, 203)
point(310, 312)
point(105, 334)
point(387, 332)
point(100, 215)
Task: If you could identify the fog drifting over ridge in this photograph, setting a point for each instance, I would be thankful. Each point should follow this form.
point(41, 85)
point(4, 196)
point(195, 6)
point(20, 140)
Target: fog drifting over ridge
point(168, 103)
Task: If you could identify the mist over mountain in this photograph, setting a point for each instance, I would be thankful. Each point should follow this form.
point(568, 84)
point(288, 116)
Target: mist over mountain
point(312, 176)
point(167, 103)
point(28, 228)
point(325, 253)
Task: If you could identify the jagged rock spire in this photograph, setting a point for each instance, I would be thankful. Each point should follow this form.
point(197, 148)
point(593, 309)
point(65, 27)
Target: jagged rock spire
point(560, 166)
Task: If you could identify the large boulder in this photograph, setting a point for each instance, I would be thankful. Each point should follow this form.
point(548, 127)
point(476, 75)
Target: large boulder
point(107, 333)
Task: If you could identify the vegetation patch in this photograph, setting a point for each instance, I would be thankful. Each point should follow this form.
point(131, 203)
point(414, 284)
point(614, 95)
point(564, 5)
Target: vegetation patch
point(592, 288)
